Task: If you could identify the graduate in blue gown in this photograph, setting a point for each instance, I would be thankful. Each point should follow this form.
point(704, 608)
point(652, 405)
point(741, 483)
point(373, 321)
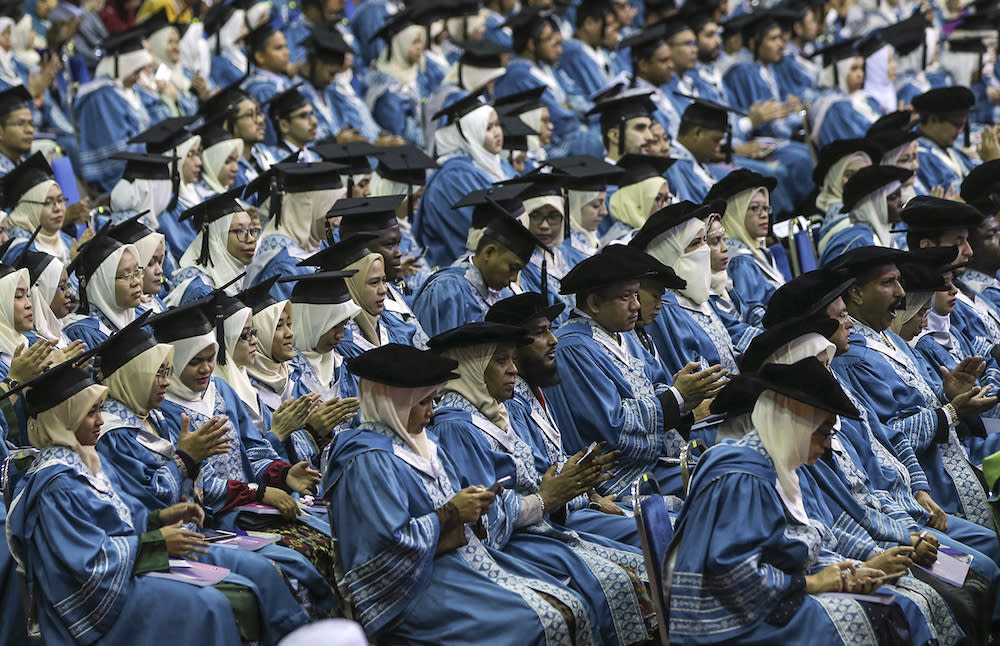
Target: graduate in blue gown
point(109, 110)
point(843, 110)
point(534, 423)
point(326, 56)
point(753, 484)
point(367, 21)
point(943, 114)
point(224, 27)
point(726, 302)
point(424, 541)
point(33, 199)
point(872, 200)
point(473, 428)
point(298, 226)
point(112, 548)
point(585, 57)
point(468, 152)
point(220, 253)
point(110, 289)
point(296, 124)
point(397, 84)
point(269, 54)
point(606, 394)
point(463, 292)
point(151, 247)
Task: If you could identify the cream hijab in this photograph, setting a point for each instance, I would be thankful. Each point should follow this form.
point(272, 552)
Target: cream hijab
point(449, 141)
point(132, 383)
point(130, 197)
point(471, 384)
point(298, 213)
point(10, 338)
point(57, 426)
point(633, 204)
point(807, 345)
point(101, 288)
point(224, 267)
point(914, 301)
point(735, 223)
point(234, 375)
point(214, 158)
point(158, 41)
point(27, 215)
point(184, 351)
point(873, 210)
point(41, 294)
point(313, 321)
point(367, 321)
point(187, 194)
point(577, 200)
point(832, 191)
point(695, 266)
point(265, 369)
point(785, 427)
point(397, 65)
point(389, 405)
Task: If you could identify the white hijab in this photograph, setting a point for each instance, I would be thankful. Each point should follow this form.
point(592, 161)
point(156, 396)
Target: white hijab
point(695, 266)
point(312, 321)
point(799, 348)
point(128, 64)
point(234, 375)
point(101, 288)
point(577, 200)
point(214, 158)
point(298, 213)
point(129, 197)
point(397, 65)
point(878, 85)
point(27, 215)
point(224, 267)
point(184, 351)
point(158, 47)
point(873, 209)
point(274, 374)
point(832, 191)
point(187, 193)
point(391, 406)
point(57, 425)
point(10, 338)
point(827, 78)
point(735, 219)
point(41, 294)
point(449, 142)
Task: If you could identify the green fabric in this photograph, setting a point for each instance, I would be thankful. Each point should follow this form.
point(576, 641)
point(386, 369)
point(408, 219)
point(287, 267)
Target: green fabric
point(153, 520)
point(991, 473)
point(152, 556)
point(245, 609)
point(13, 424)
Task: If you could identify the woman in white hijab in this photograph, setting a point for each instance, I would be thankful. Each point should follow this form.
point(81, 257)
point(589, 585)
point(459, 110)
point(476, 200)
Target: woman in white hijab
point(844, 110)
point(110, 289)
point(36, 200)
point(49, 295)
point(688, 328)
point(398, 85)
point(220, 253)
point(390, 457)
point(586, 211)
point(220, 156)
point(544, 218)
point(837, 163)
point(747, 221)
point(171, 79)
point(477, 135)
point(880, 78)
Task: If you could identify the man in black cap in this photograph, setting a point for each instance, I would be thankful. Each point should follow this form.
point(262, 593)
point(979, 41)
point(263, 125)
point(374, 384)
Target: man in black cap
point(247, 121)
point(625, 122)
point(463, 292)
point(944, 115)
point(17, 127)
point(981, 274)
point(293, 117)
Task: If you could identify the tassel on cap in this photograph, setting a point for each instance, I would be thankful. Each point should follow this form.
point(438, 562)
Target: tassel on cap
point(545, 279)
point(220, 335)
point(205, 257)
point(729, 142)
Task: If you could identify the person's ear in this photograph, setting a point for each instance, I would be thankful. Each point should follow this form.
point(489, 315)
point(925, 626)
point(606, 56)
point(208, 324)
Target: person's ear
point(855, 296)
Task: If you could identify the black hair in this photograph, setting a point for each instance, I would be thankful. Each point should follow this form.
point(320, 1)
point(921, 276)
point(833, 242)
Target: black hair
point(597, 9)
point(521, 36)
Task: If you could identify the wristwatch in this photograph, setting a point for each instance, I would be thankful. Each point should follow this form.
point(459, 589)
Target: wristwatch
point(11, 383)
point(254, 487)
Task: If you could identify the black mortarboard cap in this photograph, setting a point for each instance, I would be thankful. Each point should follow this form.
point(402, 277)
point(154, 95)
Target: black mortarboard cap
point(870, 179)
point(340, 254)
point(859, 260)
point(981, 182)
point(14, 98)
point(53, 387)
point(627, 105)
point(604, 269)
point(920, 277)
point(520, 102)
point(403, 366)
point(656, 270)
point(834, 151)
point(352, 155)
point(34, 261)
point(584, 172)
point(327, 44)
point(182, 322)
point(321, 288)
point(738, 181)
point(527, 23)
point(515, 132)
point(640, 167)
point(892, 131)
point(927, 214)
point(457, 109)
point(204, 213)
point(807, 381)
point(144, 165)
point(672, 216)
point(225, 100)
point(258, 297)
point(736, 24)
point(770, 340)
point(506, 230)
point(88, 258)
point(806, 295)
point(522, 309)
point(123, 346)
point(130, 40)
point(944, 100)
point(479, 333)
point(166, 135)
point(645, 42)
point(212, 132)
point(366, 214)
point(30, 173)
point(481, 53)
point(131, 230)
point(837, 52)
point(708, 114)
point(406, 164)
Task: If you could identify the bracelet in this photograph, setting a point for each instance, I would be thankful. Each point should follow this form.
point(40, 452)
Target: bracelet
point(951, 414)
point(179, 461)
point(541, 502)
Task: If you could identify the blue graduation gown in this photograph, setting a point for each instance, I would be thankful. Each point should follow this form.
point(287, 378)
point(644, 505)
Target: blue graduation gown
point(984, 286)
point(889, 380)
point(369, 17)
point(262, 86)
point(686, 178)
point(178, 235)
point(842, 121)
point(82, 571)
point(398, 109)
point(12, 609)
point(382, 498)
point(454, 296)
point(840, 234)
point(106, 123)
point(976, 319)
point(752, 279)
point(224, 72)
point(584, 70)
point(481, 452)
point(606, 395)
point(438, 227)
point(350, 110)
point(684, 332)
point(277, 255)
point(741, 560)
point(746, 85)
point(937, 167)
point(92, 330)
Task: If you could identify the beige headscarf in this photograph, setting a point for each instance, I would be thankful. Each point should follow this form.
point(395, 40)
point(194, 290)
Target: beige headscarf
point(532, 204)
point(57, 426)
point(391, 406)
point(397, 64)
point(265, 369)
point(695, 267)
point(873, 209)
point(471, 384)
point(312, 321)
point(807, 345)
point(132, 383)
point(367, 321)
point(633, 204)
point(10, 338)
point(234, 375)
point(27, 215)
point(158, 41)
point(101, 288)
point(786, 427)
point(914, 301)
point(184, 351)
point(298, 213)
point(577, 200)
point(734, 219)
point(214, 158)
point(832, 191)
point(41, 294)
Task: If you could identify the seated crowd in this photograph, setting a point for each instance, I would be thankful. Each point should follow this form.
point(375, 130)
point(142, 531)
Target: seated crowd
point(373, 321)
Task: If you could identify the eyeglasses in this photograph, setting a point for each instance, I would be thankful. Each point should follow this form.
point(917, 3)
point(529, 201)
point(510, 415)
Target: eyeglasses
point(20, 123)
point(135, 275)
point(253, 116)
point(249, 334)
point(244, 234)
point(551, 219)
point(49, 201)
point(165, 373)
point(761, 208)
point(661, 198)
